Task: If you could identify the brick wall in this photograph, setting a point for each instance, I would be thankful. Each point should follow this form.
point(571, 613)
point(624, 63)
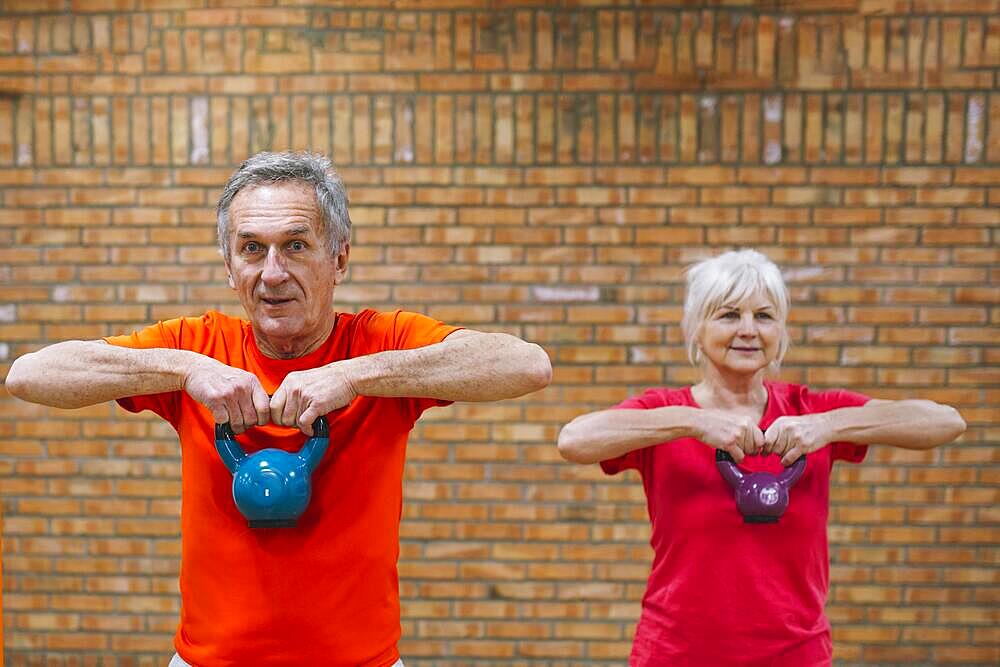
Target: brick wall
point(544, 171)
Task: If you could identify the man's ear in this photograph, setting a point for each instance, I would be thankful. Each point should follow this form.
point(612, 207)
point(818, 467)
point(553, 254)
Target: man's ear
point(343, 257)
point(229, 276)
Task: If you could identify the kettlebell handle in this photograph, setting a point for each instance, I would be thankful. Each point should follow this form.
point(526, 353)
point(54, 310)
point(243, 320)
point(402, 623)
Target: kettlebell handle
point(231, 452)
point(733, 474)
point(320, 430)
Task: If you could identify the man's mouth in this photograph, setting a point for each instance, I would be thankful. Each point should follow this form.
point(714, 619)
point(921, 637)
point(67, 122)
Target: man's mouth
point(275, 301)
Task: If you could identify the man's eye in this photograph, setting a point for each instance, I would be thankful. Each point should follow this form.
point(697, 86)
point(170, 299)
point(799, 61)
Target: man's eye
point(297, 245)
point(251, 247)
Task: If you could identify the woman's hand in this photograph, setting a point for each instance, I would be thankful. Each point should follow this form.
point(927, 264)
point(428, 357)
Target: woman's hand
point(792, 436)
point(736, 435)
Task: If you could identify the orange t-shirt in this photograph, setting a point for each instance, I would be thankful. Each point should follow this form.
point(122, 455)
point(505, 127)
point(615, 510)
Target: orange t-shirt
point(325, 592)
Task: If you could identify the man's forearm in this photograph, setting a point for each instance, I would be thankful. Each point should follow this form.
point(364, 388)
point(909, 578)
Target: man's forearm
point(466, 366)
point(74, 374)
point(911, 424)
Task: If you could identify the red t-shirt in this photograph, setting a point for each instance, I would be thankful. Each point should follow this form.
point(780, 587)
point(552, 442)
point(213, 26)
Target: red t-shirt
point(723, 592)
point(325, 592)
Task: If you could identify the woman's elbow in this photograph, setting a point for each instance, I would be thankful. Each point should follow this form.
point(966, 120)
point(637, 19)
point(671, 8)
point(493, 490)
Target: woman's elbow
point(571, 447)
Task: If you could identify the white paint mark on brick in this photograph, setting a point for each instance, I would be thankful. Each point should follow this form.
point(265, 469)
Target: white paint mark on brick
point(8, 313)
point(974, 144)
point(772, 152)
point(560, 294)
point(803, 273)
point(4, 351)
point(786, 23)
point(23, 46)
point(638, 355)
point(772, 109)
point(709, 103)
point(405, 151)
point(60, 293)
point(23, 154)
point(199, 130)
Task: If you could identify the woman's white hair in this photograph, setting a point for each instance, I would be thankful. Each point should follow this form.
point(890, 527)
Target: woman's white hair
point(730, 279)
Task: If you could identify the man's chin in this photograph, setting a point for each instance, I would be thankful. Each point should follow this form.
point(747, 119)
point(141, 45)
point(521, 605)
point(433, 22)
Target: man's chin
point(277, 326)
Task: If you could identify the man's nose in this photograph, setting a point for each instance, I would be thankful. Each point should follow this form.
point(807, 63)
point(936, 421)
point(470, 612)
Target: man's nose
point(274, 268)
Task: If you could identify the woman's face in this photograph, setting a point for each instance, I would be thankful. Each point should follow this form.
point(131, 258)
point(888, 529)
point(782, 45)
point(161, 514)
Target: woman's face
point(742, 338)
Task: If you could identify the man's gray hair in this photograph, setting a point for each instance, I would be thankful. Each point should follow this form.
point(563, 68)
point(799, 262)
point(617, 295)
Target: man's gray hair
point(311, 168)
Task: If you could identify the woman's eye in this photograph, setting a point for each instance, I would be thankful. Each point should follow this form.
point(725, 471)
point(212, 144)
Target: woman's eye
point(764, 316)
point(731, 315)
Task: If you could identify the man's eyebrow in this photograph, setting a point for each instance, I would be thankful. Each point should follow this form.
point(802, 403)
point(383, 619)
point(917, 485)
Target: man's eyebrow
point(298, 230)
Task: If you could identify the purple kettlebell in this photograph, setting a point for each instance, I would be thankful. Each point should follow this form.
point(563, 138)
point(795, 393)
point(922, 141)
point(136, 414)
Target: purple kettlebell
point(760, 496)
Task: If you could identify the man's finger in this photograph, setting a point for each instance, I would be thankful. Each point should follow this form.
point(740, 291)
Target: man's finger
point(236, 420)
point(758, 441)
point(220, 414)
point(261, 404)
point(290, 413)
point(306, 420)
point(277, 405)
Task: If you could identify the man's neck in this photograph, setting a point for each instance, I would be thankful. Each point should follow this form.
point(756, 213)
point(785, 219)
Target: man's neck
point(294, 347)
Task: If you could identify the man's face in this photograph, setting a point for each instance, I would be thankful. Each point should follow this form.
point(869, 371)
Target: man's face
point(280, 266)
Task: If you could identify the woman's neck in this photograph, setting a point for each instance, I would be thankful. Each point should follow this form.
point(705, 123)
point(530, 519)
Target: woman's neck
point(725, 392)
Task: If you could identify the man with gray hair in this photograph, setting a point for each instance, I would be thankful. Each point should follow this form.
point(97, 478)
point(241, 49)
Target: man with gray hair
point(324, 592)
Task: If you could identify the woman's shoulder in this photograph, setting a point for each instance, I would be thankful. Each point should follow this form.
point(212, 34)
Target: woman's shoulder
point(807, 400)
point(659, 397)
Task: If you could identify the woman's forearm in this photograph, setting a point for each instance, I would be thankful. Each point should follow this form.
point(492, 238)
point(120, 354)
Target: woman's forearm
point(75, 373)
point(606, 434)
point(910, 424)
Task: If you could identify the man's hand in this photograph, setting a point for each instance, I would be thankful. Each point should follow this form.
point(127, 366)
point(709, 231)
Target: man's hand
point(792, 436)
point(305, 395)
point(231, 394)
point(733, 434)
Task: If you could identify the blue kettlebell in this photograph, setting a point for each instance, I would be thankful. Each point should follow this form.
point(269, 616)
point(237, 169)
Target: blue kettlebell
point(272, 487)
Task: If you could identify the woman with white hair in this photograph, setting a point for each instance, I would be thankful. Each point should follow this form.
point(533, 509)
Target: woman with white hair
point(724, 589)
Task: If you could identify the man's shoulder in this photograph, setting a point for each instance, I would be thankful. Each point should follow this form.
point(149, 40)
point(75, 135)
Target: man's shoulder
point(201, 331)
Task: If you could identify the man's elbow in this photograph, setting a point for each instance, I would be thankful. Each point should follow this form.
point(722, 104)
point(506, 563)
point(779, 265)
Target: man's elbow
point(955, 424)
point(539, 368)
point(18, 381)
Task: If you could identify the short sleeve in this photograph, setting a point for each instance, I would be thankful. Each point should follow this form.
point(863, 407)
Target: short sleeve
point(834, 399)
point(411, 330)
point(632, 460)
point(402, 330)
point(160, 335)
